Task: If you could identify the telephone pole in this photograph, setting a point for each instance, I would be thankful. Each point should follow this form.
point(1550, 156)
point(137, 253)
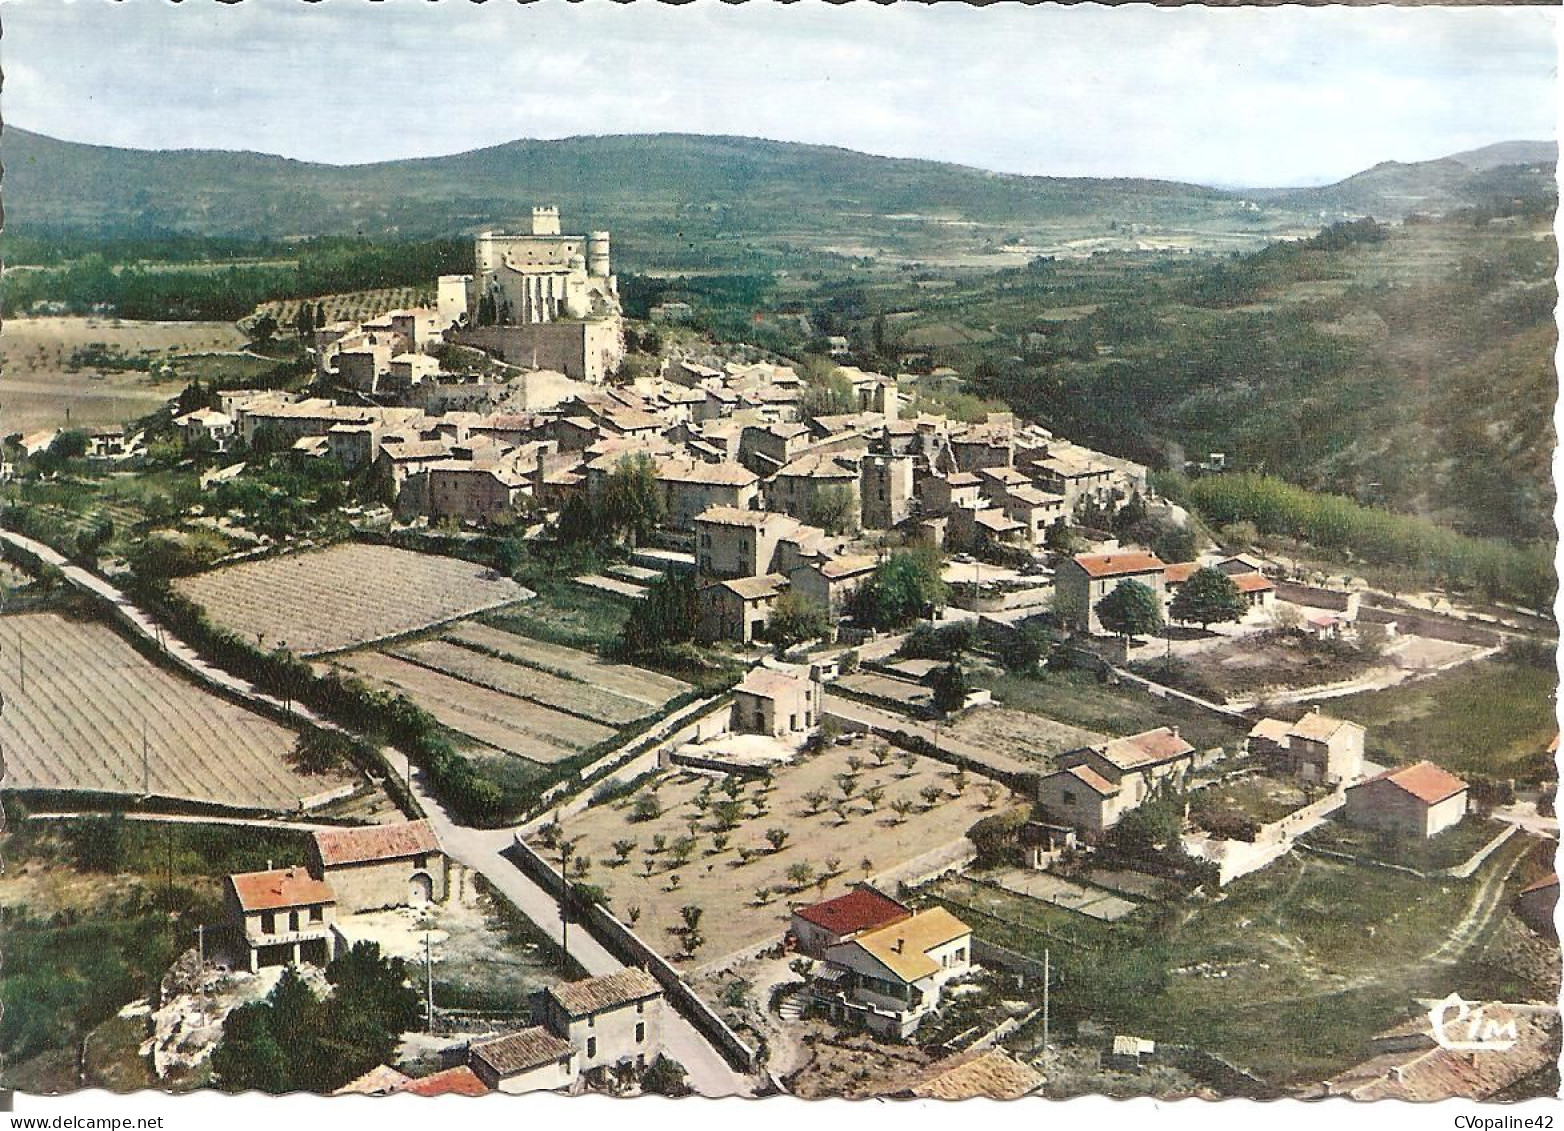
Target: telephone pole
point(428, 984)
point(1045, 1002)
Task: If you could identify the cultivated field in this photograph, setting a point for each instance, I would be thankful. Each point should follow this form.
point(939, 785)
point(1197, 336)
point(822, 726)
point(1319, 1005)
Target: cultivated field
point(639, 684)
point(746, 902)
point(504, 722)
point(345, 597)
point(355, 305)
point(1021, 735)
point(38, 383)
point(78, 700)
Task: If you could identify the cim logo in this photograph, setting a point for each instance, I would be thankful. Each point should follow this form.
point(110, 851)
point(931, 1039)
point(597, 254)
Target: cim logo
point(1454, 1017)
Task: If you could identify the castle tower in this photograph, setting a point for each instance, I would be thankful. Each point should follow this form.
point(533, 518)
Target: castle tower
point(545, 220)
point(597, 255)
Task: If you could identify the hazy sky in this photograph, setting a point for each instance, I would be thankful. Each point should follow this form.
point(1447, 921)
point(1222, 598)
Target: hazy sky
point(1230, 96)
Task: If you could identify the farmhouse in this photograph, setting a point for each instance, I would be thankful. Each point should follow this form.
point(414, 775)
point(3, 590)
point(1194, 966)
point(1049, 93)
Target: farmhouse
point(205, 426)
point(829, 583)
point(609, 1020)
point(816, 928)
point(1085, 579)
point(775, 702)
point(1419, 800)
point(530, 1060)
point(1096, 785)
point(1316, 748)
point(473, 490)
point(281, 916)
point(381, 865)
point(888, 980)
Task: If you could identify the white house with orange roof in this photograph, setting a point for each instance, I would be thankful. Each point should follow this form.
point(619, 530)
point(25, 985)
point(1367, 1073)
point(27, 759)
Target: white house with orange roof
point(1085, 579)
point(888, 980)
point(1420, 800)
point(281, 916)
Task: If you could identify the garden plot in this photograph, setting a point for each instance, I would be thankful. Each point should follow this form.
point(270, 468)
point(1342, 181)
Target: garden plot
point(715, 854)
point(505, 722)
point(1061, 892)
point(621, 679)
point(568, 695)
point(1021, 734)
point(81, 706)
point(346, 596)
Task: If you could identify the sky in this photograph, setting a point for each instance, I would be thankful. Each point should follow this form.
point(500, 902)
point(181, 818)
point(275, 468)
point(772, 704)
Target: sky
point(1226, 96)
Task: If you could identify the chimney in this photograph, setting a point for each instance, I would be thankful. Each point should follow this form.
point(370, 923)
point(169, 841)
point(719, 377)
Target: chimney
point(900, 943)
point(1174, 731)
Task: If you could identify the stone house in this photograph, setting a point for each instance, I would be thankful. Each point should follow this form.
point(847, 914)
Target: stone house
point(885, 491)
point(737, 609)
point(281, 916)
point(888, 980)
point(473, 490)
point(775, 702)
point(1096, 785)
point(381, 865)
point(1085, 579)
point(1420, 800)
point(690, 486)
point(1317, 748)
point(530, 1060)
point(830, 582)
point(205, 425)
point(730, 542)
point(795, 488)
point(942, 494)
point(609, 1020)
point(816, 928)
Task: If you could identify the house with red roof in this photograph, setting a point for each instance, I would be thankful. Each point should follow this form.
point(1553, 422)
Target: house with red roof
point(1082, 581)
point(822, 925)
point(1096, 785)
point(1420, 800)
point(281, 916)
point(377, 866)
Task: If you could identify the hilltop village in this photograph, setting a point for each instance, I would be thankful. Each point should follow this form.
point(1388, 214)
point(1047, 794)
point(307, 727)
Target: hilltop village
point(791, 727)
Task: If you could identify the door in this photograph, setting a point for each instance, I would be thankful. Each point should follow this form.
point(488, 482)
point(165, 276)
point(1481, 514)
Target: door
point(420, 889)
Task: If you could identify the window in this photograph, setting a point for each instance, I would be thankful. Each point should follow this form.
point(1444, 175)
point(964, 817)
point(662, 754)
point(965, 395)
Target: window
point(293, 920)
point(591, 1047)
point(317, 914)
point(1069, 797)
point(640, 1007)
point(961, 955)
point(592, 1021)
point(420, 861)
point(640, 1031)
point(268, 923)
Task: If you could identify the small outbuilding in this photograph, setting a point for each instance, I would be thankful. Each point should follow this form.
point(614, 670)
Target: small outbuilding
point(1420, 800)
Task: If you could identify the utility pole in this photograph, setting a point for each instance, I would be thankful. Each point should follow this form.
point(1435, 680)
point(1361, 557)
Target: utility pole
point(201, 945)
point(146, 764)
point(428, 984)
point(564, 906)
point(1045, 1002)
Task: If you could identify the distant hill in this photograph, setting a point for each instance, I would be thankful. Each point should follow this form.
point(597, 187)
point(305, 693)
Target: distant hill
point(670, 196)
point(1391, 189)
point(1509, 153)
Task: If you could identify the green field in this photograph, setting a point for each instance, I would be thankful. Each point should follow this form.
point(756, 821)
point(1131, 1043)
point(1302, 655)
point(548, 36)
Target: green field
point(1082, 700)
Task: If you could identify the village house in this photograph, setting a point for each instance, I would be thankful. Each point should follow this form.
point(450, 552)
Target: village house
point(205, 426)
point(888, 980)
point(816, 928)
point(767, 448)
point(690, 486)
point(477, 491)
point(1420, 800)
point(737, 609)
point(1085, 579)
point(381, 865)
point(941, 494)
point(730, 542)
point(1316, 748)
point(776, 703)
point(831, 582)
point(1096, 785)
point(610, 1020)
point(798, 488)
point(885, 488)
point(529, 1060)
point(281, 916)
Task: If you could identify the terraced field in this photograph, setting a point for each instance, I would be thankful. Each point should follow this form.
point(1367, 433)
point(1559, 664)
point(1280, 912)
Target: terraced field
point(516, 726)
point(635, 683)
point(78, 701)
point(346, 596)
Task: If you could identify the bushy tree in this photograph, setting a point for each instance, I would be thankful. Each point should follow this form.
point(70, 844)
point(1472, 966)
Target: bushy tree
point(663, 619)
point(1132, 609)
point(904, 587)
point(1208, 597)
point(795, 618)
point(835, 509)
point(950, 688)
point(630, 501)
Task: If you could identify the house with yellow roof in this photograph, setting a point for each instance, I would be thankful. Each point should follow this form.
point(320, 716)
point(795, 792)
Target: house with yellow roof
point(888, 980)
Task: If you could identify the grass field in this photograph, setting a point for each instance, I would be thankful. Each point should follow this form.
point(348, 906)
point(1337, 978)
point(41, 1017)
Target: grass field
point(651, 688)
point(40, 388)
point(1484, 718)
point(80, 703)
point(345, 597)
point(724, 885)
point(565, 613)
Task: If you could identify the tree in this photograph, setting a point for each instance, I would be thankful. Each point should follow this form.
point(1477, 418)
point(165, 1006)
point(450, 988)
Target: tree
point(97, 843)
point(1174, 543)
point(1208, 597)
point(1132, 609)
point(263, 330)
point(646, 808)
point(834, 509)
point(830, 394)
point(631, 501)
point(800, 874)
point(795, 619)
point(304, 322)
point(1061, 538)
point(950, 687)
point(508, 556)
point(932, 795)
point(1155, 822)
point(776, 838)
point(623, 849)
point(904, 587)
point(691, 914)
point(665, 1077)
point(1021, 652)
point(249, 1056)
point(902, 806)
point(816, 800)
point(663, 619)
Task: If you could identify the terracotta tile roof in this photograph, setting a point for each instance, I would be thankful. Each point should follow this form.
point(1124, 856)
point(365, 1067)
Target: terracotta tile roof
point(723, 474)
point(1179, 572)
point(1092, 780)
point(593, 995)
point(1121, 563)
point(1145, 749)
point(768, 683)
point(1272, 730)
point(987, 1074)
point(1428, 1072)
point(281, 887)
point(756, 588)
point(375, 842)
point(520, 1051)
point(1252, 583)
point(1551, 880)
point(1319, 728)
point(862, 909)
point(737, 516)
point(848, 565)
point(380, 1080)
point(993, 519)
point(458, 1081)
point(902, 948)
point(962, 479)
point(1423, 780)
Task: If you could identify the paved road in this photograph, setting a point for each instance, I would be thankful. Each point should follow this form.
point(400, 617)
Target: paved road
point(479, 849)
